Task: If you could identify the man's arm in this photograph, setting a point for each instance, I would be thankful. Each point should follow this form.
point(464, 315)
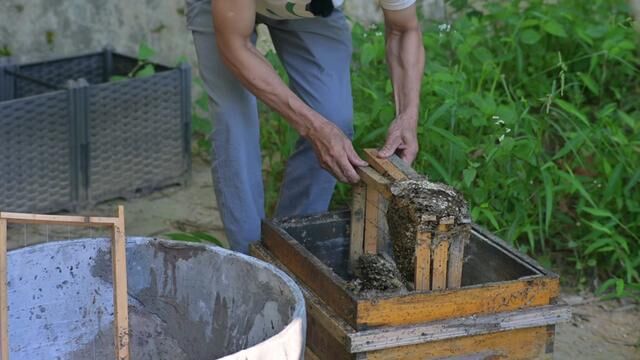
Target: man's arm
point(234, 21)
point(405, 58)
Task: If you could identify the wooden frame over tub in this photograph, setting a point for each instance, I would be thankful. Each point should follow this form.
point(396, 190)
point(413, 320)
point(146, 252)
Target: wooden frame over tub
point(119, 266)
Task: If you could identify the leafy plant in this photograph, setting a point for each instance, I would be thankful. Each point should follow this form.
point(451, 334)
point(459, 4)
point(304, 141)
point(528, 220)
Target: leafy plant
point(195, 237)
point(143, 68)
point(531, 109)
point(4, 51)
point(201, 123)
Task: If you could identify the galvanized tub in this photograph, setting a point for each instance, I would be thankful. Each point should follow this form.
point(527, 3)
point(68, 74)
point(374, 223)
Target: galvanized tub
point(186, 301)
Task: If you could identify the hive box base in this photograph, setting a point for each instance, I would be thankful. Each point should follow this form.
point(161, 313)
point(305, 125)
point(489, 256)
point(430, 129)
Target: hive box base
point(506, 308)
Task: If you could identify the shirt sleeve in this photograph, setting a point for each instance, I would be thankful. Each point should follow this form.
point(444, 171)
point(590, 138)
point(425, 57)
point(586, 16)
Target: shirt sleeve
point(396, 4)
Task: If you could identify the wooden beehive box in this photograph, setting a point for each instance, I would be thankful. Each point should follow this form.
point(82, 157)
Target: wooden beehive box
point(506, 305)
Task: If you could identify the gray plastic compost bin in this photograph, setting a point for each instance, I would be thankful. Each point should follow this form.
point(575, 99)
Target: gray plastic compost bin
point(186, 301)
point(70, 137)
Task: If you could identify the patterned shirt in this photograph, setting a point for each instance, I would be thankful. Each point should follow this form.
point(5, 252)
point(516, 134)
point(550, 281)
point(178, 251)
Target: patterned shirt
point(297, 9)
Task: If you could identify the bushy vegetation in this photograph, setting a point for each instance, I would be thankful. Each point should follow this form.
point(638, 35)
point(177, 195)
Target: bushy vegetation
point(532, 110)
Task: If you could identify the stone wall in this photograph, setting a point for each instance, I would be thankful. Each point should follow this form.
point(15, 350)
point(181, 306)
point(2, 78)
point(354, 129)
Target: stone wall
point(38, 29)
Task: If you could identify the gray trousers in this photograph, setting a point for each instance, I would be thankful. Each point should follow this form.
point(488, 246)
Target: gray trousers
point(316, 54)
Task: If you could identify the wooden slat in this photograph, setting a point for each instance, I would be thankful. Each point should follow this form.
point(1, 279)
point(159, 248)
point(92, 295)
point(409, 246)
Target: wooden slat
point(551, 337)
point(323, 343)
point(423, 261)
point(383, 166)
point(405, 339)
point(310, 355)
point(522, 344)
point(383, 227)
point(4, 313)
point(481, 299)
point(440, 259)
point(22, 218)
point(311, 271)
point(371, 226)
point(407, 170)
point(390, 337)
point(356, 246)
point(121, 313)
point(456, 258)
point(373, 179)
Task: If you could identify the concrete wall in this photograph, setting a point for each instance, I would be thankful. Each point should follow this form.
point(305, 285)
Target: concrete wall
point(37, 29)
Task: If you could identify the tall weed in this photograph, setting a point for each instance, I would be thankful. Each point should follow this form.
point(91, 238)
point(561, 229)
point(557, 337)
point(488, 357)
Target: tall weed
point(531, 109)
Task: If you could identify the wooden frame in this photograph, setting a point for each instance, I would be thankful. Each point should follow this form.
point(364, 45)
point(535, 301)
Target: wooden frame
point(541, 288)
point(438, 256)
point(526, 333)
point(119, 266)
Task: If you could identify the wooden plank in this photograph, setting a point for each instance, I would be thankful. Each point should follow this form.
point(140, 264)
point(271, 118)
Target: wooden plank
point(551, 337)
point(323, 343)
point(310, 355)
point(22, 218)
point(456, 257)
point(383, 166)
point(404, 167)
point(521, 344)
point(356, 245)
point(371, 219)
point(311, 271)
point(4, 306)
point(440, 258)
point(516, 344)
point(119, 267)
point(373, 179)
point(390, 337)
point(383, 227)
point(473, 300)
point(423, 261)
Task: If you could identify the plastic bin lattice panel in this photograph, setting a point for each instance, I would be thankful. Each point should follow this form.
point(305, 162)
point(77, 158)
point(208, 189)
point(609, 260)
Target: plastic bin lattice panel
point(70, 138)
point(137, 123)
point(57, 72)
point(35, 143)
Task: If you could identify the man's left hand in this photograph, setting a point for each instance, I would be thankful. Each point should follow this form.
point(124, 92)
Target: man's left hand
point(402, 140)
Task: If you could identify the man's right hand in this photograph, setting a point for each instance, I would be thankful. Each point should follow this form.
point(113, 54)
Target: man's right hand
point(234, 22)
point(335, 152)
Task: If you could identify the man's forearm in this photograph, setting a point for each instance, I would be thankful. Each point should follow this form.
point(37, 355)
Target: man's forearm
point(259, 77)
point(234, 22)
point(405, 58)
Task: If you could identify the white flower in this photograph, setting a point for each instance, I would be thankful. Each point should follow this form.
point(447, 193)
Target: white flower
point(444, 27)
point(378, 33)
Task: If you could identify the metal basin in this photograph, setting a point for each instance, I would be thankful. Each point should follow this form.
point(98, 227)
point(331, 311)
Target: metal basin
point(186, 301)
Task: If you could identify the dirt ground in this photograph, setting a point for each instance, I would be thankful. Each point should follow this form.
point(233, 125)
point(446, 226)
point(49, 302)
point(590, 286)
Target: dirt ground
point(598, 330)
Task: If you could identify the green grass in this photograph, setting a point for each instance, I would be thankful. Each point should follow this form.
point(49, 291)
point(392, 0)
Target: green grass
point(532, 110)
